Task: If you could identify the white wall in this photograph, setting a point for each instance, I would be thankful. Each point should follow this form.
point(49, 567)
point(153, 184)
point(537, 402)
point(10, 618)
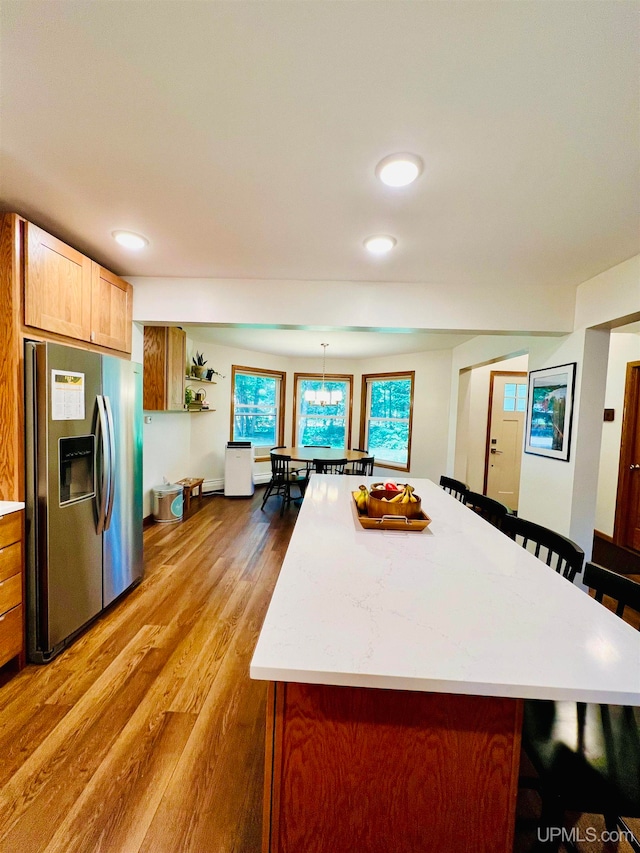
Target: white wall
point(358, 305)
point(562, 495)
point(623, 348)
point(611, 297)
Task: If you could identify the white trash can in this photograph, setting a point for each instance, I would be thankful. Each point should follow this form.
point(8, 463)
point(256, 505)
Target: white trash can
point(167, 502)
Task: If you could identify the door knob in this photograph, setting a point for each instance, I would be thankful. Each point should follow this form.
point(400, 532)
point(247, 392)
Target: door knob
point(493, 450)
point(634, 467)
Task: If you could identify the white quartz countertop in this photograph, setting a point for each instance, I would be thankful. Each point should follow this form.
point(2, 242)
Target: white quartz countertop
point(457, 608)
point(10, 506)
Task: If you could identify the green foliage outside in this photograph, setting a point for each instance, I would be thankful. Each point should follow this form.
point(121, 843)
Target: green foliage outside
point(324, 425)
point(255, 400)
point(388, 425)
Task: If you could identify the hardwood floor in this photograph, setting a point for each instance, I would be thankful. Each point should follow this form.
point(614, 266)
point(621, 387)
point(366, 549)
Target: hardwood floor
point(147, 734)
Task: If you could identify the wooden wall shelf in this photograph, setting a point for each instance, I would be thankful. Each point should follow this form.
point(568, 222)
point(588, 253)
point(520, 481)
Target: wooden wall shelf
point(177, 411)
point(194, 380)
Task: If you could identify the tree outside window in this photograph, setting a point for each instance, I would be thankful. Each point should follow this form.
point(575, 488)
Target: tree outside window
point(326, 425)
point(256, 408)
point(386, 418)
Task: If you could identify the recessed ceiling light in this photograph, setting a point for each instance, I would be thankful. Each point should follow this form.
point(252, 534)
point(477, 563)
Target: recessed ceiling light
point(398, 170)
point(380, 244)
point(130, 240)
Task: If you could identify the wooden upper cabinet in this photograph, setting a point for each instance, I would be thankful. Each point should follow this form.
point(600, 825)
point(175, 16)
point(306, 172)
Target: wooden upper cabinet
point(164, 367)
point(111, 310)
point(69, 294)
point(57, 284)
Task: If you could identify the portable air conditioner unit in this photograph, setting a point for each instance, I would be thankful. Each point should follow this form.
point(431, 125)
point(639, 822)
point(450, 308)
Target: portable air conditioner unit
point(238, 469)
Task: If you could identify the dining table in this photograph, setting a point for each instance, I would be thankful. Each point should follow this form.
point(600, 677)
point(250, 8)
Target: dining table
point(327, 454)
point(397, 665)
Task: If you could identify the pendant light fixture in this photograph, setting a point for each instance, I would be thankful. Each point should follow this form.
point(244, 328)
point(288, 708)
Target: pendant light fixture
point(323, 397)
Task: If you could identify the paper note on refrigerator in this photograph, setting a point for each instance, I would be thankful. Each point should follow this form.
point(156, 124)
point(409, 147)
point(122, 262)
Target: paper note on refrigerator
point(67, 396)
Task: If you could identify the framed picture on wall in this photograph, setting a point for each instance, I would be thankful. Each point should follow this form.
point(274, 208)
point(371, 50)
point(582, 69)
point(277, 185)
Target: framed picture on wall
point(550, 411)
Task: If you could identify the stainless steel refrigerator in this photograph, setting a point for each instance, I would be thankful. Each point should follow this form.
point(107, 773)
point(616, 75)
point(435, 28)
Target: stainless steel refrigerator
point(83, 422)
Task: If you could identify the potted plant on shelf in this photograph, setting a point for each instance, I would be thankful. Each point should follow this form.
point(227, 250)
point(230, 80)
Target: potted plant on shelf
point(199, 362)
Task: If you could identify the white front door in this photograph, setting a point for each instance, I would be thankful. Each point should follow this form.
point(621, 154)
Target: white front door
point(508, 405)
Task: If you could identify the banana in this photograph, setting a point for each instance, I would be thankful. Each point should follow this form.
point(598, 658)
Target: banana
point(362, 499)
point(407, 495)
point(397, 498)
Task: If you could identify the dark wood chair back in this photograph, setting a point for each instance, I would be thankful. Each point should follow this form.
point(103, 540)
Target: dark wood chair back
point(492, 511)
point(362, 466)
point(455, 487)
point(624, 591)
point(558, 552)
point(587, 756)
point(329, 466)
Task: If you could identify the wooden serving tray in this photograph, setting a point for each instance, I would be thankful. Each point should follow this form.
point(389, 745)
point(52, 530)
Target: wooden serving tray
point(393, 522)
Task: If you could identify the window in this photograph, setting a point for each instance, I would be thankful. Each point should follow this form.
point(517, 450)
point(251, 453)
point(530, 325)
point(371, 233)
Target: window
point(257, 406)
point(515, 397)
point(329, 424)
point(385, 419)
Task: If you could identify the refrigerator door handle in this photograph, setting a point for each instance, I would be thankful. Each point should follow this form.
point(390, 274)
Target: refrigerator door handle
point(112, 462)
point(106, 464)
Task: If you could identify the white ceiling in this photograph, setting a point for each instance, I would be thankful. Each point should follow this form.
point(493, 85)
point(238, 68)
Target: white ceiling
point(241, 137)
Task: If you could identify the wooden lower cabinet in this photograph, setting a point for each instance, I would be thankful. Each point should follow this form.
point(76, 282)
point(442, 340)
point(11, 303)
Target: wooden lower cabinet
point(355, 769)
point(11, 587)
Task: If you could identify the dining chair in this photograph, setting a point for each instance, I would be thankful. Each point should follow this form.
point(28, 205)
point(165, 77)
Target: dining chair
point(624, 591)
point(363, 466)
point(283, 477)
point(556, 551)
point(492, 511)
point(587, 756)
point(329, 466)
point(454, 487)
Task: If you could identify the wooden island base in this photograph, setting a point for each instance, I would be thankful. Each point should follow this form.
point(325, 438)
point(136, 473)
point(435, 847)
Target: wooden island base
point(358, 770)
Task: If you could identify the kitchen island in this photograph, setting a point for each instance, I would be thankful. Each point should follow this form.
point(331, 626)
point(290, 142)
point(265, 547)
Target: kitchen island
point(398, 663)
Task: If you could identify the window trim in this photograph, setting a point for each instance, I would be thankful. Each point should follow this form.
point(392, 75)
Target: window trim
point(338, 377)
point(260, 371)
point(399, 374)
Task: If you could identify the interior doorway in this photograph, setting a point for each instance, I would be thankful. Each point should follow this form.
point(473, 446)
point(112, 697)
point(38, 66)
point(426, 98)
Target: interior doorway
point(472, 424)
point(627, 518)
point(505, 427)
